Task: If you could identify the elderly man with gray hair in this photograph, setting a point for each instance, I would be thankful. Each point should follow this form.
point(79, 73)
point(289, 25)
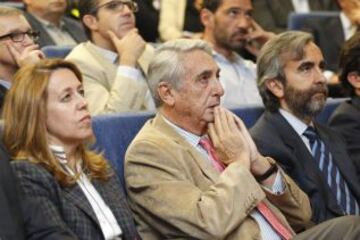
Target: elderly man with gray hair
point(194, 172)
point(293, 88)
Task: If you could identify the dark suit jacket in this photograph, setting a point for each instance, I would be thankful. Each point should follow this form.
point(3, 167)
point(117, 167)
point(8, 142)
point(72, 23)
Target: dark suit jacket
point(67, 207)
point(3, 91)
point(272, 15)
point(11, 217)
point(275, 137)
point(329, 36)
point(73, 27)
point(147, 20)
point(22, 219)
point(346, 120)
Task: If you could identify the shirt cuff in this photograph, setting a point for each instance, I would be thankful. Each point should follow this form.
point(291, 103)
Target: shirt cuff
point(128, 72)
point(278, 187)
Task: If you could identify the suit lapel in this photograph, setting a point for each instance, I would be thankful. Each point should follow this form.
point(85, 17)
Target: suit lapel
point(294, 143)
point(109, 67)
point(203, 164)
point(76, 195)
point(313, 176)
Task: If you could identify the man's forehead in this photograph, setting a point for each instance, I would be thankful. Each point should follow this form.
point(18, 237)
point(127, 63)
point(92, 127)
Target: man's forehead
point(13, 22)
point(245, 5)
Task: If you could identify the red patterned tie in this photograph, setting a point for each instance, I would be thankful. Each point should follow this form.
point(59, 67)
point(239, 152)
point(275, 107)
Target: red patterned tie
point(206, 144)
point(270, 217)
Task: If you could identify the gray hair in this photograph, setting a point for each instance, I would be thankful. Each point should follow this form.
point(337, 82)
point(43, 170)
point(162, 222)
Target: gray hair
point(10, 11)
point(167, 64)
point(272, 59)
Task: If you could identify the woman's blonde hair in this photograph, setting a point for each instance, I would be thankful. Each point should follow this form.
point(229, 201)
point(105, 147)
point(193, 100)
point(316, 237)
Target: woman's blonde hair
point(25, 132)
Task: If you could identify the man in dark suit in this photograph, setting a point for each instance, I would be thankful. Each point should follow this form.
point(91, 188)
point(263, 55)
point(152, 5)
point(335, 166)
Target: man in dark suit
point(47, 17)
point(346, 118)
point(17, 46)
point(293, 88)
point(272, 15)
point(11, 220)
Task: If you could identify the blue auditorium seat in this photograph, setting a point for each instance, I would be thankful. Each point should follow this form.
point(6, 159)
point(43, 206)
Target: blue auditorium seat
point(18, 5)
point(296, 20)
point(115, 132)
point(53, 51)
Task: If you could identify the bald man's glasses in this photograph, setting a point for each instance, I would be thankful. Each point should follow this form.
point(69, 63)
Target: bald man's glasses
point(20, 36)
point(117, 6)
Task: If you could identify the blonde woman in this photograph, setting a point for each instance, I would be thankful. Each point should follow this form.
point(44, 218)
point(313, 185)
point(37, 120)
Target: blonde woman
point(46, 124)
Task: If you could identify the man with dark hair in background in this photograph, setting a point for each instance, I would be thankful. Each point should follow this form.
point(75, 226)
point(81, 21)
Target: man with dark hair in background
point(230, 28)
point(114, 62)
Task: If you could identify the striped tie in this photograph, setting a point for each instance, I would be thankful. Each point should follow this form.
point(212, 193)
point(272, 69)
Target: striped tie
point(331, 173)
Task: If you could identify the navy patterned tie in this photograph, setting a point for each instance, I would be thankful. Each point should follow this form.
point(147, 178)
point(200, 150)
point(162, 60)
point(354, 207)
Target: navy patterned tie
point(331, 173)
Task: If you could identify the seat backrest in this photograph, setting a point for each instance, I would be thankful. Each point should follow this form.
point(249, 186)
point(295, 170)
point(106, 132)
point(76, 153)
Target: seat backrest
point(18, 5)
point(296, 20)
point(53, 51)
point(114, 133)
point(331, 105)
point(249, 114)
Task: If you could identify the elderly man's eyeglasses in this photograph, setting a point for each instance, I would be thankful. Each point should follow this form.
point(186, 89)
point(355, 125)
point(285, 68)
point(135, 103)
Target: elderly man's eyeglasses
point(117, 6)
point(19, 36)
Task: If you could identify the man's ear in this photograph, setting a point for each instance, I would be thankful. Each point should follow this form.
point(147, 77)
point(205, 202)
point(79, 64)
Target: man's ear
point(90, 21)
point(276, 87)
point(166, 93)
point(207, 18)
point(354, 79)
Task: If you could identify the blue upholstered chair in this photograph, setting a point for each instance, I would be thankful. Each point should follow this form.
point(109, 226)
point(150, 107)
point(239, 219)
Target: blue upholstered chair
point(53, 51)
point(296, 20)
point(18, 5)
point(115, 132)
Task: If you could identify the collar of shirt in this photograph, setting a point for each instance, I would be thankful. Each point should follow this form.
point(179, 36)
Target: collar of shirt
point(189, 137)
point(295, 122)
point(49, 24)
point(348, 27)
point(301, 6)
point(6, 84)
point(221, 58)
point(60, 154)
point(109, 55)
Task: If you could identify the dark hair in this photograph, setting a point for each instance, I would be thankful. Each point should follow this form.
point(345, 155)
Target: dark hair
point(211, 5)
point(349, 61)
point(271, 61)
point(86, 8)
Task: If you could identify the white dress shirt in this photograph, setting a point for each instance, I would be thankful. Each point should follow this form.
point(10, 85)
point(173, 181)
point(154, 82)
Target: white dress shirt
point(301, 6)
point(108, 224)
point(6, 84)
point(267, 232)
point(129, 72)
point(298, 125)
point(348, 28)
point(238, 78)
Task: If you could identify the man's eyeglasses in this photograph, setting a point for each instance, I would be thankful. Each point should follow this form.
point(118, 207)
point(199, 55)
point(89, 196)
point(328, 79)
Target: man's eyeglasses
point(19, 36)
point(117, 6)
